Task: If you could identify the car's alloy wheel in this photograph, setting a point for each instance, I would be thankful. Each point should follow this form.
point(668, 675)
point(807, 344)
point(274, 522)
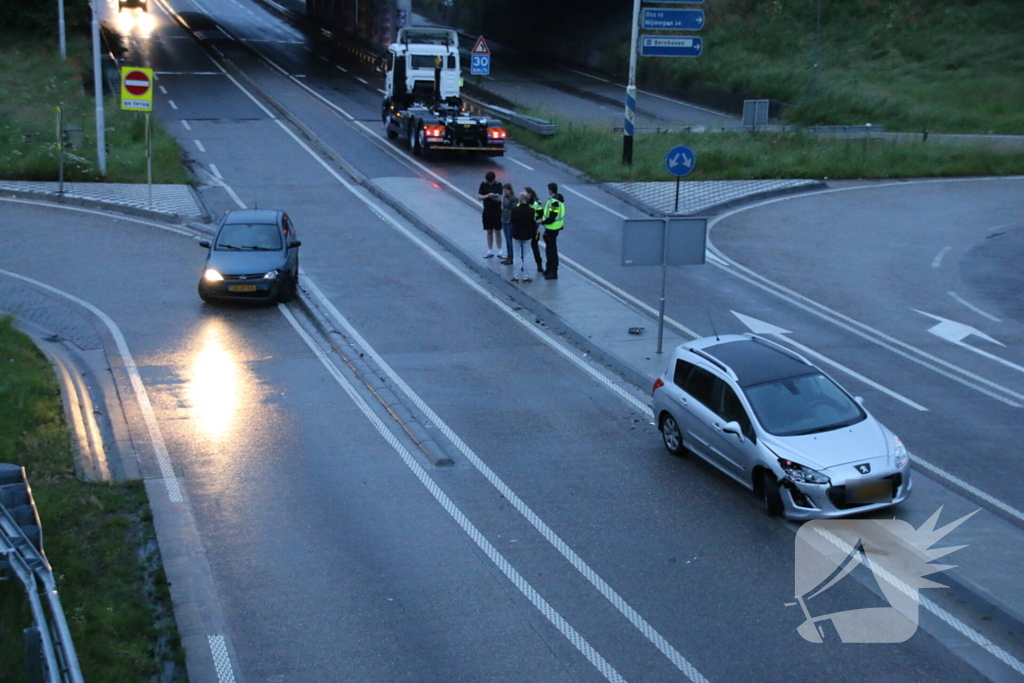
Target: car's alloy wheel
point(672, 436)
point(289, 288)
point(771, 499)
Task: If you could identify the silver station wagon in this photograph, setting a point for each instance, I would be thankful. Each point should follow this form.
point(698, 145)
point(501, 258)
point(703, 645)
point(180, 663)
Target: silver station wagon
point(777, 424)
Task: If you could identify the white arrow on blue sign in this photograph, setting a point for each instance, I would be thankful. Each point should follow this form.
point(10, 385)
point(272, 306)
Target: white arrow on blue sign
point(674, 19)
point(680, 161)
point(662, 46)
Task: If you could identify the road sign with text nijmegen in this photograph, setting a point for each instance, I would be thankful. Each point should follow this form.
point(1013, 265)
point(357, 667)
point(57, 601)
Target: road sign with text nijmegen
point(665, 46)
point(673, 19)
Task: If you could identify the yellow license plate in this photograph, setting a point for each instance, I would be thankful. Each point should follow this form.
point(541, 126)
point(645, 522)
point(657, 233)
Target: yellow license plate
point(870, 491)
point(241, 288)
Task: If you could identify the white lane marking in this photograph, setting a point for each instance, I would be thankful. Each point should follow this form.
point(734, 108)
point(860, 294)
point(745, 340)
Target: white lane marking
point(199, 145)
point(362, 80)
point(957, 481)
point(552, 615)
point(152, 426)
point(173, 105)
point(341, 68)
point(104, 214)
point(322, 58)
point(188, 73)
point(528, 168)
point(221, 661)
point(162, 89)
point(216, 180)
point(595, 202)
point(185, 123)
point(596, 78)
point(216, 171)
point(680, 102)
point(549, 534)
point(937, 261)
point(381, 91)
point(913, 593)
point(960, 300)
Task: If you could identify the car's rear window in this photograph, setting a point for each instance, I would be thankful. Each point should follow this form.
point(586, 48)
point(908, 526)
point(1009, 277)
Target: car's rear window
point(803, 405)
point(249, 237)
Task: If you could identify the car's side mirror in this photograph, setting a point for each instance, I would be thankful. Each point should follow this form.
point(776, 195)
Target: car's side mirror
point(295, 243)
point(205, 244)
point(733, 428)
point(859, 399)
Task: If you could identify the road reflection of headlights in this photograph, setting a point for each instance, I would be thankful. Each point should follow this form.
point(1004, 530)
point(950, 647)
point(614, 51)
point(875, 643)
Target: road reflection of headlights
point(802, 475)
point(272, 275)
point(212, 275)
point(899, 454)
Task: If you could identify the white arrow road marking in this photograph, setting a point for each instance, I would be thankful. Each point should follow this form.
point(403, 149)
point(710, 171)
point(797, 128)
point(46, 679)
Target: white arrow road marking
point(767, 329)
point(955, 332)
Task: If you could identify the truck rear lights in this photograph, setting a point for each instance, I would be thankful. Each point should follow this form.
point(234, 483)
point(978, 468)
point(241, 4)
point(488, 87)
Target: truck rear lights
point(434, 131)
point(496, 133)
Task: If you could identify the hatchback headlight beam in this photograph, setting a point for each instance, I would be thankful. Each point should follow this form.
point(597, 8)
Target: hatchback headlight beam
point(803, 475)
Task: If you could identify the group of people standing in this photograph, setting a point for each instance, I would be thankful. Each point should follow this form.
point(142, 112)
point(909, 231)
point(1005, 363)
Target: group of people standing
point(522, 219)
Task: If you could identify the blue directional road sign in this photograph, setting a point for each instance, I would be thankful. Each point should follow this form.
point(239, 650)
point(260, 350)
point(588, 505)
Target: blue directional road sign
point(680, 161)
point(666, 46)
point(480, 65)
point(673, 19)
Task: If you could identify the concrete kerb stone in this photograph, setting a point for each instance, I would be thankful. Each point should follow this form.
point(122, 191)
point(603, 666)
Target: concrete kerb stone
point(100, 204)
point(638, 203)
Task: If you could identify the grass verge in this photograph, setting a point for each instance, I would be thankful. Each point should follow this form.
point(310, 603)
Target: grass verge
point(98, 537)
point(597, 151)
point(34, 80)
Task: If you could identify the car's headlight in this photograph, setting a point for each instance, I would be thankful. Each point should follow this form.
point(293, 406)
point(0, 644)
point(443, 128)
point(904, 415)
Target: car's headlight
point(272, 275)
point(899, 454)
point(212, 275)
point(800, 474)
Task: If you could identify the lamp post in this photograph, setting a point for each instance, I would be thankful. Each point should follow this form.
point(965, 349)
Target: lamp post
point(60, 27)
point(101, 136)
point(627, 126)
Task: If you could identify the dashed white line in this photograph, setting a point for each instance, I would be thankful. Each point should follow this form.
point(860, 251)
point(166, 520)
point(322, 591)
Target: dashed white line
point(595, 202)
point(937, 261)
point(362, 80)
point(324, 59)
point(514, 161)
point(341, 68)
point(960, 300)
point(149, 417)
point(381, 91)
point(596, 78)
point(185, 123)
point(199, 145)
point(492, 553)
point(162, 89)
point(173, 105)
point(213, 169)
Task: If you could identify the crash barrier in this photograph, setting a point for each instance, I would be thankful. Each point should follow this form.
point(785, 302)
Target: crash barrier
point(49, 653)
point(530, 123)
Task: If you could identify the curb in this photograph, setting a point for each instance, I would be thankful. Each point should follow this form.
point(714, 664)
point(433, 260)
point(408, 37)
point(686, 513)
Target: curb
point(105, 205)
point(714, 208)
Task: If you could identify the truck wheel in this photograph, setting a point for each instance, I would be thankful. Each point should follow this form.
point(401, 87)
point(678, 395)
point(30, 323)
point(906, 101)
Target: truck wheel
point(388, 130)
point(424, 151)
point(414, 141)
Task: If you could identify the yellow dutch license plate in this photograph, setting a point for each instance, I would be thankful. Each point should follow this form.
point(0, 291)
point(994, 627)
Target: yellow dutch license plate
point(241, 288)
point(869, 491)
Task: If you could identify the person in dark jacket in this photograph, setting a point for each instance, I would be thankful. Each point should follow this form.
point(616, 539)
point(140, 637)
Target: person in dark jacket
point(524, 229)
point(490, 195)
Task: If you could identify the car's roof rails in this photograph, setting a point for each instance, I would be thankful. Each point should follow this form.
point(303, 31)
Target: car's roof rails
point(780, 348)
point(717, 363)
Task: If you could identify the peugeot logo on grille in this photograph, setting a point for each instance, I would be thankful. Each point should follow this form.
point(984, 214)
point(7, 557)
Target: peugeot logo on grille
point(243, 277)
point(863, 469)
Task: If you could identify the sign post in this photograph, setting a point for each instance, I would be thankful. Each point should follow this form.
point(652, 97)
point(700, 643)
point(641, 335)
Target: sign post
point(136, 88)
point(480, 60)
point(149, 160)
point(665, 242)
point(680, 161)
point(627, 125)
point(60, 147)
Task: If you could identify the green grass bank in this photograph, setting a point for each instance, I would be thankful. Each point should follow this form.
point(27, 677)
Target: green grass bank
point(98, 537)
point(34, 81)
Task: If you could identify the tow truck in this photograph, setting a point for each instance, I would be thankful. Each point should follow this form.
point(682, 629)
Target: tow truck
point(422, 100)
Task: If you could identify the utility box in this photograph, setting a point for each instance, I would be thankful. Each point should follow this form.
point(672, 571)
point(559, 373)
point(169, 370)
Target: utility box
point(755, 113)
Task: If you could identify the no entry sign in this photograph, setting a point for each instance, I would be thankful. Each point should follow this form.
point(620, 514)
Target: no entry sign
point(136, 88)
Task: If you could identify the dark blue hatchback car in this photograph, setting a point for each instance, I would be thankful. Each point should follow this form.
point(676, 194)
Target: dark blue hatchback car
point(254, 256)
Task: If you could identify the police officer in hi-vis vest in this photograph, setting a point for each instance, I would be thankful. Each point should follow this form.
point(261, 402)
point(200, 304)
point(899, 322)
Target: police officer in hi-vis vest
point(554, 219)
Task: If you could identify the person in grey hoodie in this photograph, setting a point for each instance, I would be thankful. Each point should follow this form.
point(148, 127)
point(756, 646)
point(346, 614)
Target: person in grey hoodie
point(508, 202)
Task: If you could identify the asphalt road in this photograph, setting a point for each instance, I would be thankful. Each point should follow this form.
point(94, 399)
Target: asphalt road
point(334, 560)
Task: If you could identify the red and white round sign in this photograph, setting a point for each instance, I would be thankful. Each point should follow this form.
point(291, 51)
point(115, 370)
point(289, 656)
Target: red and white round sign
point(137, 83)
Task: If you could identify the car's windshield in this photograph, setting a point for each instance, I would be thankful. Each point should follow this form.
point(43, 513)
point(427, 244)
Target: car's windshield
point(803, 405)
point(249, 237)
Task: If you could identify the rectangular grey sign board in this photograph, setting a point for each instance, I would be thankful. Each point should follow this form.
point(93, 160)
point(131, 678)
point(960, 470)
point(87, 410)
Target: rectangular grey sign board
point(642, 241)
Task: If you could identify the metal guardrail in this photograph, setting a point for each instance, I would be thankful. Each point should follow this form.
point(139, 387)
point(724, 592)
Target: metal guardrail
point(20, 556)
point(530, 123)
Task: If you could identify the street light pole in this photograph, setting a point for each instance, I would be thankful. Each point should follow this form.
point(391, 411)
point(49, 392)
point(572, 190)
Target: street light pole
point(627, 126)
point(101, 135)
point(60, 27)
